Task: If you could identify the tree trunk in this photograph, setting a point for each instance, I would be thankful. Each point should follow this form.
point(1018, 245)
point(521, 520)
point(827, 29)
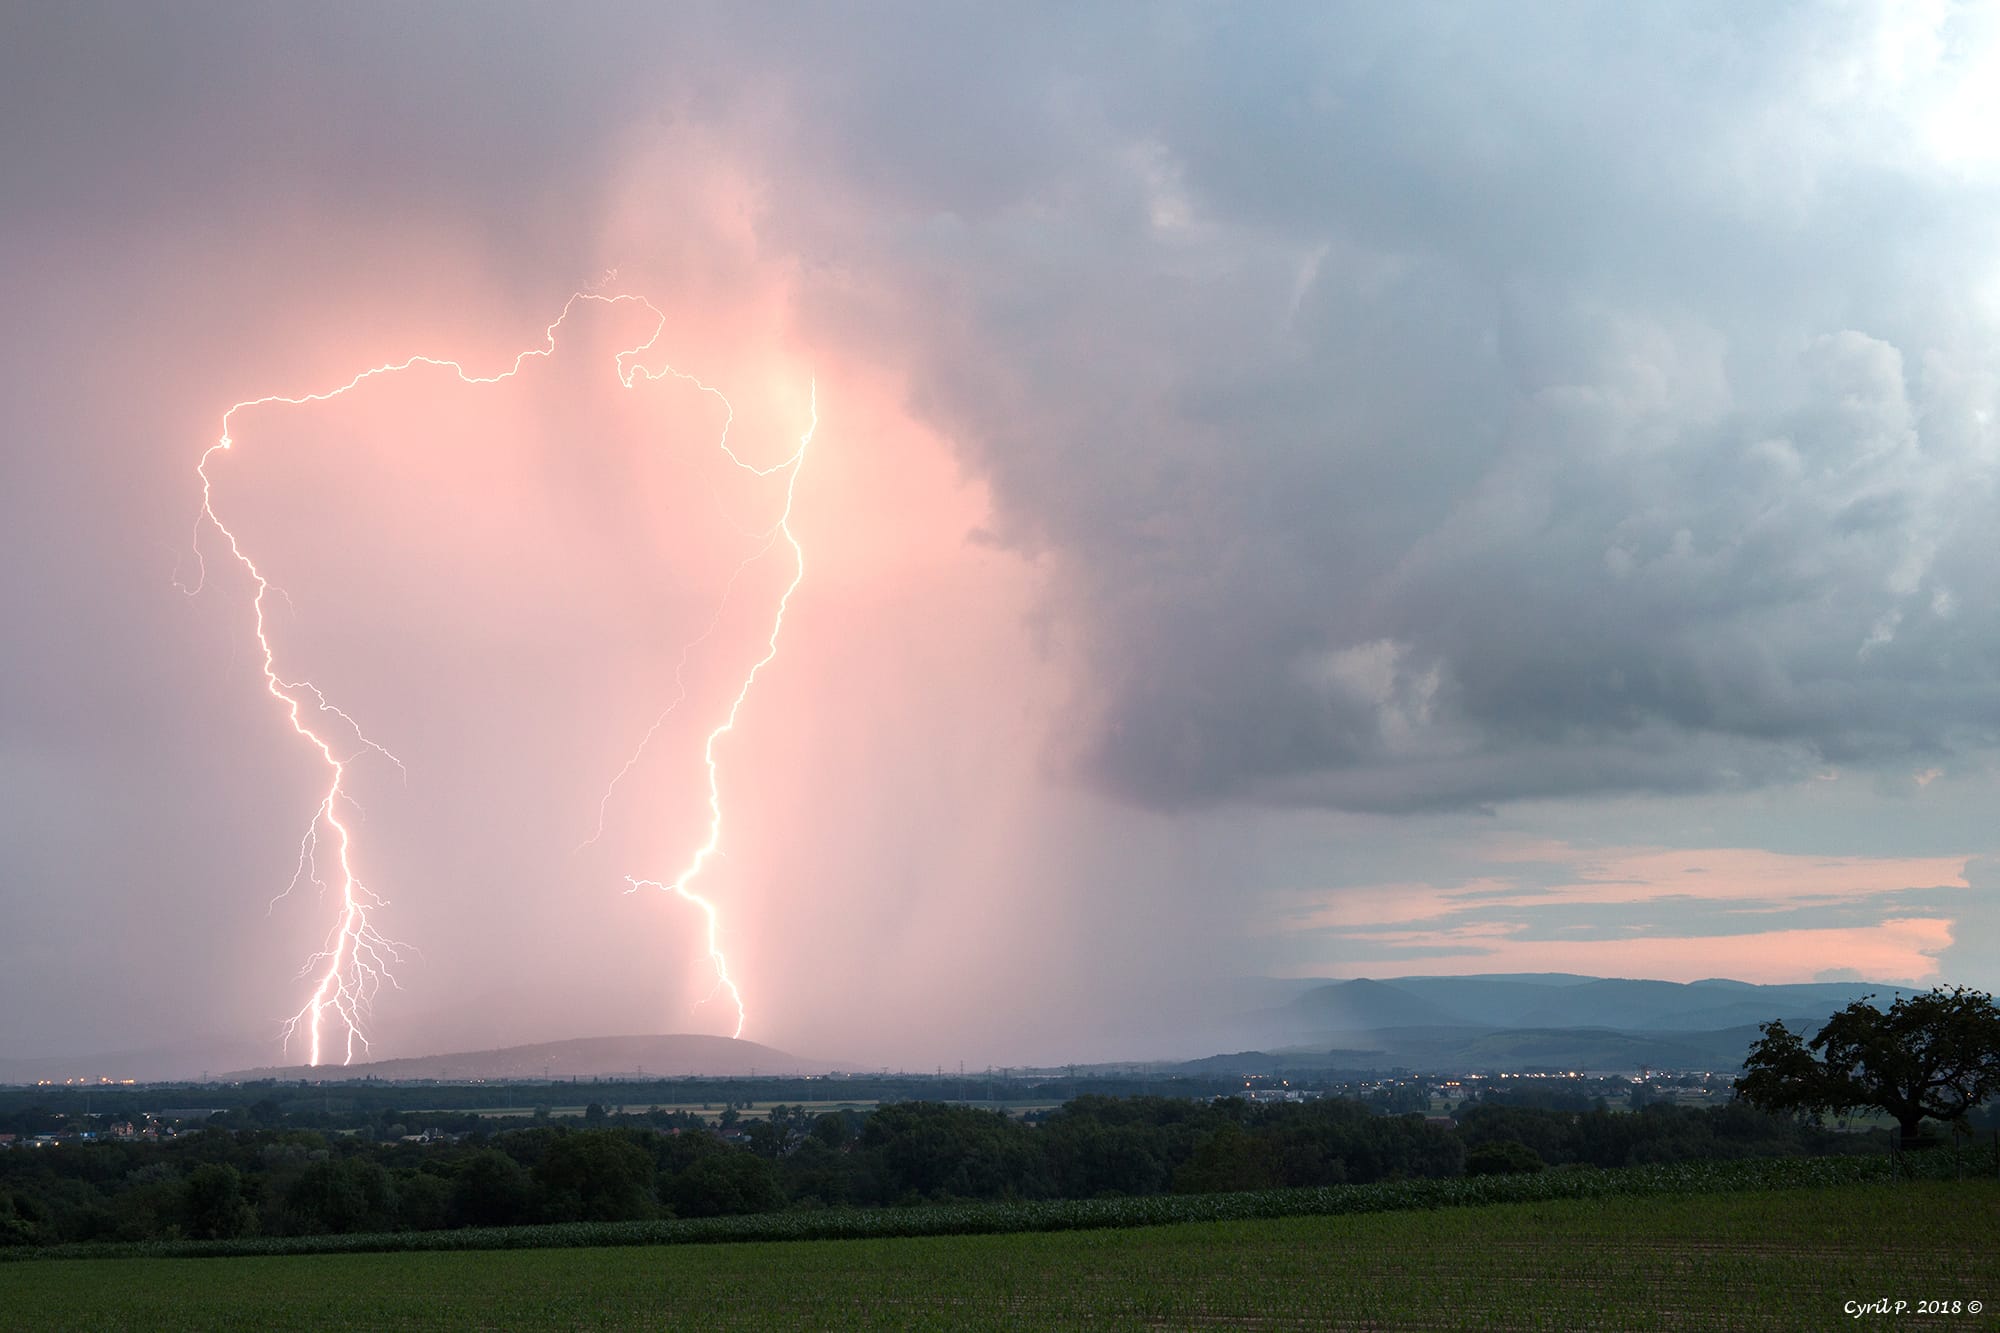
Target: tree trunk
point(1910, 1125)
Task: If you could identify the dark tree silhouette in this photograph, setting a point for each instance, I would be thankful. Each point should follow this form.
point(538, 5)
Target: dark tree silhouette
point(1935, 1056)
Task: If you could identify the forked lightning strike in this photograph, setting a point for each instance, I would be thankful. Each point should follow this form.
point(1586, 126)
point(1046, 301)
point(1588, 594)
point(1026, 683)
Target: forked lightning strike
point(357, 958)
point(692, 869)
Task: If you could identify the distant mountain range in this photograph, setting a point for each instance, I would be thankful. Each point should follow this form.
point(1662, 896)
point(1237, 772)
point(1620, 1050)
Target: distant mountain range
point(1518, 1022)
point(1499, 1023)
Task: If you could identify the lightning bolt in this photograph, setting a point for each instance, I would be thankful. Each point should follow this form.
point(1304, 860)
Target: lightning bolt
point(689, 872)
point(356, 959)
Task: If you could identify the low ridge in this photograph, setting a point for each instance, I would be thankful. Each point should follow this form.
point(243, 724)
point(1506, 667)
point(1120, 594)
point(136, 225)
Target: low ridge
point(662, 1056)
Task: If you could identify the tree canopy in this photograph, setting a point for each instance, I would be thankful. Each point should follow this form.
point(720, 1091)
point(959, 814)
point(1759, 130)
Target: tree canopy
point(1934, 1056)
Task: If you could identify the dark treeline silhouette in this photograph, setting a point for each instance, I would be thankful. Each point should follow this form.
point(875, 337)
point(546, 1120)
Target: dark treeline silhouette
point(239, 1177)
point(308, 1104)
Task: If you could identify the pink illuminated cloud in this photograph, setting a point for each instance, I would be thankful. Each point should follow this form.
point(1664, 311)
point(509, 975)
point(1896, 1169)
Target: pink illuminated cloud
point(1707, 901)
point(1898, 950)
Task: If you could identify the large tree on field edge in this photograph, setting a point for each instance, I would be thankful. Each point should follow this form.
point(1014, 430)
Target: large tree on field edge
point(1934, 1056)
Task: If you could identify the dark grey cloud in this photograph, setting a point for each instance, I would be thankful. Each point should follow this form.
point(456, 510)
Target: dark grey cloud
point(1432, 408)
point(1412, 407)
point(1421, 407)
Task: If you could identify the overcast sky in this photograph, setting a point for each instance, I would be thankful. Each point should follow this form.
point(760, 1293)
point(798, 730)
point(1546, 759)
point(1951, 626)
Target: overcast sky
point(1307, 491)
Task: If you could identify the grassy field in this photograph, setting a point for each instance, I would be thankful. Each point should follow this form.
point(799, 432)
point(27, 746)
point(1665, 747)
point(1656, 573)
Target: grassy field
point(1787, 1259)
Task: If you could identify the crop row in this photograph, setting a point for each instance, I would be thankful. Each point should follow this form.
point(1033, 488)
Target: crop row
point(953, 1219)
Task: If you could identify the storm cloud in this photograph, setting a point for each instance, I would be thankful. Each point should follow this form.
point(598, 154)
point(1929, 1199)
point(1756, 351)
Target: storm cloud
point(1445, 406)
point(1415, 407)
point(1416, 410)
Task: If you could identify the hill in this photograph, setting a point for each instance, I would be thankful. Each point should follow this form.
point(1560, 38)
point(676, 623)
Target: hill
point(1527, 1021)
point(1563, 1001)
point(581, 1057)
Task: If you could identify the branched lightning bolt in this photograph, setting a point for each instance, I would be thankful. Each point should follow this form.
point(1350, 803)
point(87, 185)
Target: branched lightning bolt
point(356, 959)
point(692, 869)
point(356, 956)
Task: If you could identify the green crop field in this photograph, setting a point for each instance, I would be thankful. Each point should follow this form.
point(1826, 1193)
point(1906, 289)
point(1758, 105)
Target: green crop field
point(1781, 1259)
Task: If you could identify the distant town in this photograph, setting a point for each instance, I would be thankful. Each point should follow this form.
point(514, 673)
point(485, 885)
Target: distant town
point(49, 1112)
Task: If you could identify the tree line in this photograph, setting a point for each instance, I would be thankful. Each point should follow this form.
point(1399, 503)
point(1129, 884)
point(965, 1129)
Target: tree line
point(223, 1182)
point(341, 1104)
